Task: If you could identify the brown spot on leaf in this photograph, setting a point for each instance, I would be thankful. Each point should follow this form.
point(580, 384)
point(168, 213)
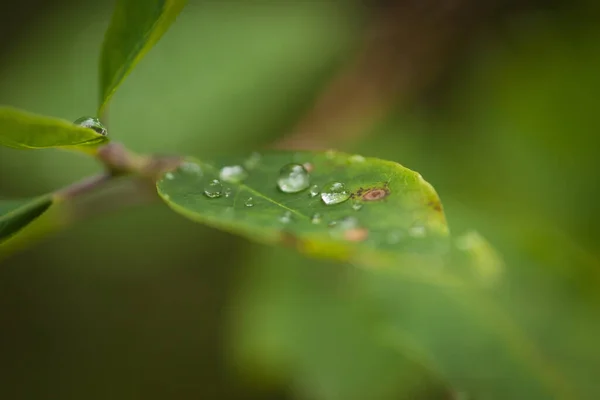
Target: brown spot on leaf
point(356, 234)
point(375, 194)
point(308, 167)
point(436, 205)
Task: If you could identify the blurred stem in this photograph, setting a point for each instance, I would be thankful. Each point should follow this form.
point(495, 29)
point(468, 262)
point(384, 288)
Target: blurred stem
point(129, 180)
point(85, 186)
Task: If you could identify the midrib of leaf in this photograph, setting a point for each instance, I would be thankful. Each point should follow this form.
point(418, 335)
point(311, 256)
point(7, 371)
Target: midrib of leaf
point(249, 189)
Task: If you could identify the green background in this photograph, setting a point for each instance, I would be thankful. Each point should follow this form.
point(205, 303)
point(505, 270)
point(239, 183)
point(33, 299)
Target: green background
point(145, 304)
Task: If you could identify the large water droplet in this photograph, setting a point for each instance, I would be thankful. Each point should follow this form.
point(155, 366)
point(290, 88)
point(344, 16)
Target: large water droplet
point(233, 173)
point(286, 218)
point(293, 178)
point(316, 218)
point(314, 191)
point(213, 189)
point(334, 193)
point(249, 202)
point(252, 161)
point(91, 123)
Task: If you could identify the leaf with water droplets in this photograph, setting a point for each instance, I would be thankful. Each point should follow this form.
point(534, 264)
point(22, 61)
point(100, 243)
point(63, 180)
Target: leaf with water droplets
point(136, 26)
point(273, 204)
point(23, 130)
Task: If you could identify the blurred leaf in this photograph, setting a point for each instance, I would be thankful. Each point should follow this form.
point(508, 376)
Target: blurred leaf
point(390, 210)
point(23, 130)
point(136, 26)
point(470, 337)
point(17, 214)
point(307, 325)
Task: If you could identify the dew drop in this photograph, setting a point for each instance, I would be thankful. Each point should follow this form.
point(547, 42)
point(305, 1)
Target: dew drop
point(344, 223)
point(252, 161)
point(334, 193)
point(233, 173)
point(356, 158)
point(316, 218)
point(417, 231)
point(169, 176)
point(357, 205)
point(286, 218)
point(92, 123)
point(190, 168)
point(394, 237)
point(293, 178)
point(227, 192)
point(314, 191)
point(249, 202)
point(213, 189)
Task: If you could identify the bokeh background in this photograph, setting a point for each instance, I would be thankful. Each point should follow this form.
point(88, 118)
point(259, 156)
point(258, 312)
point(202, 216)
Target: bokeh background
point(495, 104)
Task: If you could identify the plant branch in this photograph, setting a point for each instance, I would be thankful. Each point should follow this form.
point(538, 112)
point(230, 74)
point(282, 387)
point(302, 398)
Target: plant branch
point(129, 179)
point(84, 186)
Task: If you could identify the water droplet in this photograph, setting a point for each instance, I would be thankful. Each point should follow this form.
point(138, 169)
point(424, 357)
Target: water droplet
point(344, 223)
point(169, 176)
point(357, 205)
point(252, 161)
point(249, 202)
point(227, 192)
point(233, 173)
point(334, 193)
point(348, 228)
point(190, 168)
point(394, 237)
point(308, 167)
point(417, 231)
point(91, 123)
point(293, 178)
point(286, 218)
point(316, 218)
point(314, 191)
point(356, 158)
point(213, 189)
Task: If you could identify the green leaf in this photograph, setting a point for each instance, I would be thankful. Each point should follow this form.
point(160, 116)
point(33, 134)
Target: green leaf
point(23, 130)
point(136, 26)
point(17, 214)
point(392, 213)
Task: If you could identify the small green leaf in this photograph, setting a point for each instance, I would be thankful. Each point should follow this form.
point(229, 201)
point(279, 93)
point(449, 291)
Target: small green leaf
point(17, 214)
point(136, 26)
point(23, 130)
point(332, 205)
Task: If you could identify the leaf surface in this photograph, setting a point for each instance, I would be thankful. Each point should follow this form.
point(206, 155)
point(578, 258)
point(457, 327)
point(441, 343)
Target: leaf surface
point(391, 211)
point(136, 26)
point(23, 130)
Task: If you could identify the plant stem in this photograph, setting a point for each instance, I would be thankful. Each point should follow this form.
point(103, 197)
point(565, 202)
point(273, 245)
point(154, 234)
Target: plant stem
point(129, 179)
point(86, 185)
